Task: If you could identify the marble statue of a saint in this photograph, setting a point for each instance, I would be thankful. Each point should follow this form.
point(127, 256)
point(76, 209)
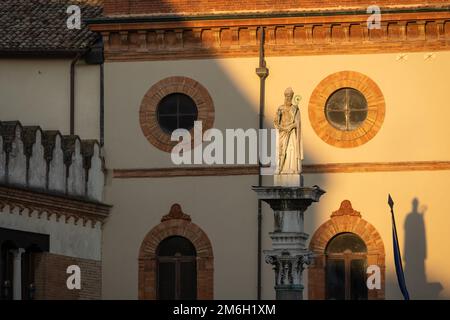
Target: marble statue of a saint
point(289, 144)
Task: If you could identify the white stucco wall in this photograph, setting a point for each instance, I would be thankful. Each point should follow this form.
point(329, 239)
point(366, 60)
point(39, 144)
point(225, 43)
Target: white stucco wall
point(37, 92)
point(223, 207)
point(66, 239)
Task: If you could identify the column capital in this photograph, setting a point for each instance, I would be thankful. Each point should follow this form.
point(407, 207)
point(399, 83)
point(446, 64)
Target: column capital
point(17, 252)
point(288, 268)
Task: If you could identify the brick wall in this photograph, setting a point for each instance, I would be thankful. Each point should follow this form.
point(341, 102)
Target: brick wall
point(115, 7)
point(51, 277)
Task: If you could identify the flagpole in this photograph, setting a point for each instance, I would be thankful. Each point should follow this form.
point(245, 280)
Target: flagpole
point(399, 264)
point(393, 218)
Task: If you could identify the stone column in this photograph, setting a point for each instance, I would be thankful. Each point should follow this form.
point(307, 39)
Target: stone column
point(289, 254)
point(17, 274)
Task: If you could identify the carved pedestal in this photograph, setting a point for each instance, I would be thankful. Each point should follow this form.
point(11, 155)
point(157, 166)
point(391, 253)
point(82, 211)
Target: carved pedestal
point(289, 254)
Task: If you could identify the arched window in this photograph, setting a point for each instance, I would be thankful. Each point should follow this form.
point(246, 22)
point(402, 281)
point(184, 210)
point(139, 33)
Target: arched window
point(176, 269)
point(346, 264)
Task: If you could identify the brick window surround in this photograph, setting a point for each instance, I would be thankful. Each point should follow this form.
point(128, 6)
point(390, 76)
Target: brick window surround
point(148, 112)
point(176, 223)
point(346, 219)
point(375, 113)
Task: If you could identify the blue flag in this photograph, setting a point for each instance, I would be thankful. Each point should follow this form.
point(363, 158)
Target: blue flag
point(397, 255)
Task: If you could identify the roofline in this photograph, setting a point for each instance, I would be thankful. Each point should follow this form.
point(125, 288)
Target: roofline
point(56, 53)
point(182, 18)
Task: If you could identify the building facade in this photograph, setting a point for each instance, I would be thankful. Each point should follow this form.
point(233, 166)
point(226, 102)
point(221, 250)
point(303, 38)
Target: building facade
point(51, 165)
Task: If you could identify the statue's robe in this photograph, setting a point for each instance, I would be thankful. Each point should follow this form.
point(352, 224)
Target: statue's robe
point(290, 149)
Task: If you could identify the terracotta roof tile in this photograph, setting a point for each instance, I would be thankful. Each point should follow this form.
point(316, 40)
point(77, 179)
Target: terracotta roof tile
point(41, 25)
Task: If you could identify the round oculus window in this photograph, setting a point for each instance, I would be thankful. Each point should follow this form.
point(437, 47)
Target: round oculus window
point(346, 109)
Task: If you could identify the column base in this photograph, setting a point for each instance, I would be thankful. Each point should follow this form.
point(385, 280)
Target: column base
point(288, 180)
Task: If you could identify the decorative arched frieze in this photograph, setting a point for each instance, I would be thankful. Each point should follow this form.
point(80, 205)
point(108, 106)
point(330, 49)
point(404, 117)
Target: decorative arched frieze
point(46, 161)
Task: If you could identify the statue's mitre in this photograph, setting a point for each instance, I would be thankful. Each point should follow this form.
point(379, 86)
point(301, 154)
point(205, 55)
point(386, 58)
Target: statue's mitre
point(289, 92)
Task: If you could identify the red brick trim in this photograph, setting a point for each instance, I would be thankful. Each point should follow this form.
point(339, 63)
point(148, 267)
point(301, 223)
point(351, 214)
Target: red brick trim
point(176, 227)
point(344, 220)
point(377, 167)
point(375, 114)
point(186, 7)
point(232, 170)
point(147, 114)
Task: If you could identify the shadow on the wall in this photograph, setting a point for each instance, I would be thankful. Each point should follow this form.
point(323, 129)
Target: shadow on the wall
point(230, 114)
point(415, 254)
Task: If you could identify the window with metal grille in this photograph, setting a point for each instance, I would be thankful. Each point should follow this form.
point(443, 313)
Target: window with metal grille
point(346, 109)
point(346, 268)
point(176, 111)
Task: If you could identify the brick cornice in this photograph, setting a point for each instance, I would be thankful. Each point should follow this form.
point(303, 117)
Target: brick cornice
point(305, 35)
point(49, 204)
point(219, 7)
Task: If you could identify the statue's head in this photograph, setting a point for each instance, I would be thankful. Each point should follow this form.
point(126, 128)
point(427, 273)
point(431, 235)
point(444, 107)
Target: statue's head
point(288, 95)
